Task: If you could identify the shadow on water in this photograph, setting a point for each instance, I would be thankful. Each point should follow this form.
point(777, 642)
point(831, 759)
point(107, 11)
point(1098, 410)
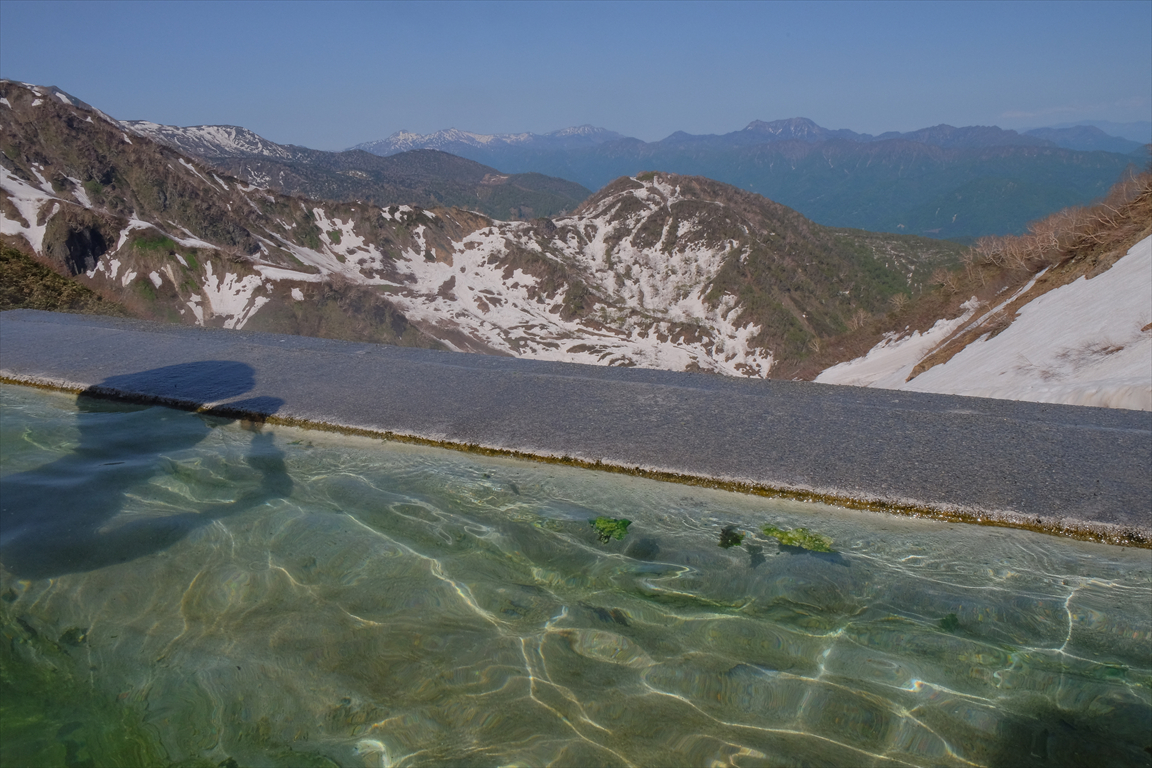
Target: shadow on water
point(1049, 735)
point(55, 519)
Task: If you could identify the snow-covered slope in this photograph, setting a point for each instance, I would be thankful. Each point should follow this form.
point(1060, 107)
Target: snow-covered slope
point(1085, 343)
point(211, 140)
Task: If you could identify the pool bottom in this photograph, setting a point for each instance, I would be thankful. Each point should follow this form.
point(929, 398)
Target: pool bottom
point(292, 597)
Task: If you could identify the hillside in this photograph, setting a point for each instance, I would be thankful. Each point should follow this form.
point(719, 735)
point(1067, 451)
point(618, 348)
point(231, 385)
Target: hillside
point(655, 270)
point(424, 177)
point(1062, 314)
point(942, 182)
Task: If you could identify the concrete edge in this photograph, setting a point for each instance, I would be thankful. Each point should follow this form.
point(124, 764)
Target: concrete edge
point(1105, 533)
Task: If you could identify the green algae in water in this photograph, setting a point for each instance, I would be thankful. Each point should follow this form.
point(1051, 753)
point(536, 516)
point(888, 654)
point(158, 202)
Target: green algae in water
point(398, 607)
point(608, 528)
point(730, 537)
point(800, 537)
point(49, 716)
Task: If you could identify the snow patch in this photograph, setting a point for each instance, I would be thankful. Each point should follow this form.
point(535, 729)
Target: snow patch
point(1080, 344)
point(192, 168)
point(28, 202)
point(889, 363)
point(231, 296)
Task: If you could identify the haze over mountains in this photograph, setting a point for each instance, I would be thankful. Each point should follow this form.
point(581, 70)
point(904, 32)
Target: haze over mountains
point(942, 181)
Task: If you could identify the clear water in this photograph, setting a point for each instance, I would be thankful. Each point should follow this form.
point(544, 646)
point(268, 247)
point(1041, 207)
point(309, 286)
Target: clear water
point(179, 590)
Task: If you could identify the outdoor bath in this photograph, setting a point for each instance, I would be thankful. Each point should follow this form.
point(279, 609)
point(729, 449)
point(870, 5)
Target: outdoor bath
point(231, 592)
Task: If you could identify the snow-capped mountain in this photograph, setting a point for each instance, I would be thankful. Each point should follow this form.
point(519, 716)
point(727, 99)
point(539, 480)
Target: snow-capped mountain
point(453, 139)
point(214, 140)
point(656, 270)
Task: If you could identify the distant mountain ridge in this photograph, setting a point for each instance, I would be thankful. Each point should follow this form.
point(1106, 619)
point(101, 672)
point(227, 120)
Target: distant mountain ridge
point(757, 131)
point(1087, 138)
point(215, 140)
point(942, 181)
point(453, 138)
point(1139, 131)
point(425, 177)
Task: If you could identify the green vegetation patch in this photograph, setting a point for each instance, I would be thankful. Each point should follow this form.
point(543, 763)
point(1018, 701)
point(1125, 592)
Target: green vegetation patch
point(155, 243)
point(334, 236)
point(950, 623)
point(800, 537)
point(608, 528)
point(51, 715)
point(145, 289)
point(730, 537)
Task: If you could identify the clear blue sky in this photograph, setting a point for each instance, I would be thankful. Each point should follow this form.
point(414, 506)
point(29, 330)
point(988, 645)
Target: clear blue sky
point(330, 75)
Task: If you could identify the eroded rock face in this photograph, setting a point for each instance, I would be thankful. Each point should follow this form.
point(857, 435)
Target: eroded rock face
point(75, 239)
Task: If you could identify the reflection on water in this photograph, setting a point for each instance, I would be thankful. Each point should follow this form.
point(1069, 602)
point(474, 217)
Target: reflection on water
point(394, 605)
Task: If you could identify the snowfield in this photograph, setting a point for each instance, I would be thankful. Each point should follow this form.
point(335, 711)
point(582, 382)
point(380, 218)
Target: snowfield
point(1085, 343)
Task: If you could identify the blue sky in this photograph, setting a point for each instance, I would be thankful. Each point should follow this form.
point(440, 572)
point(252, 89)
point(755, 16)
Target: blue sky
point(330, 75)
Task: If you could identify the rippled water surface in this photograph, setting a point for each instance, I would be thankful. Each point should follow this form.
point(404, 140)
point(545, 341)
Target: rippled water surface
point(185, 590)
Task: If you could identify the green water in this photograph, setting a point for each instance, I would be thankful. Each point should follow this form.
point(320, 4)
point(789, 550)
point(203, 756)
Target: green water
point(178, 590)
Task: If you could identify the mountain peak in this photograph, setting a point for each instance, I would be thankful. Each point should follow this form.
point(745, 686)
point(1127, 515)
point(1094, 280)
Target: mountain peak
point(591, 134)
point(801, 129)
point(791, 124)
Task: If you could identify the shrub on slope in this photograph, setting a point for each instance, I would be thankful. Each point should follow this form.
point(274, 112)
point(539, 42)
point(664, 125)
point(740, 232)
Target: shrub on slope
point(1056, 250)
point(26, 284)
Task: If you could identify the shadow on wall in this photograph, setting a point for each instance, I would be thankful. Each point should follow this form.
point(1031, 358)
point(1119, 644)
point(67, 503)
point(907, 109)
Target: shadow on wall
point(60, 518)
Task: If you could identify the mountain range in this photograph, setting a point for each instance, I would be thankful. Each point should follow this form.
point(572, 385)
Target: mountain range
point(942, 181)
point(654, 270)
point(425, 177)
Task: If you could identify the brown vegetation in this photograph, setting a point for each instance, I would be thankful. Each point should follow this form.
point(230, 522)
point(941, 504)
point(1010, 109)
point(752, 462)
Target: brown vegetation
point(1069, 244)
point(27, 284)
point(1122, 218)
